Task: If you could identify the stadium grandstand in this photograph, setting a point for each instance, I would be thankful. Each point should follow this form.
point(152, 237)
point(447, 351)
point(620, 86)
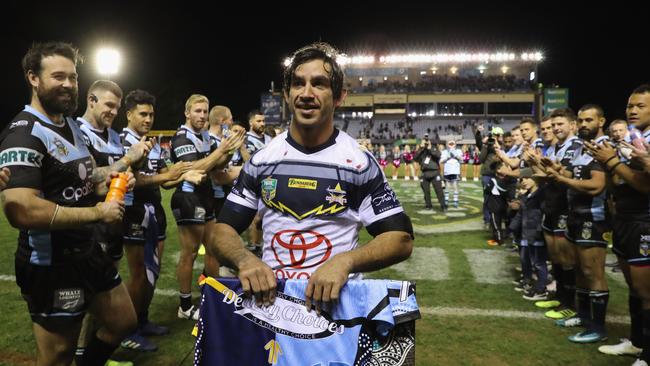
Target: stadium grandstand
point(398, 97)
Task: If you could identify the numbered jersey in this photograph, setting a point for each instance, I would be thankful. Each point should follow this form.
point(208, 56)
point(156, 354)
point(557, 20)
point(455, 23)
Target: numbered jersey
point(54, 160)
point(312, 201)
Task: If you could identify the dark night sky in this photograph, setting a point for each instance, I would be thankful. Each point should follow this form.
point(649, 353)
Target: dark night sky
point(232, 55)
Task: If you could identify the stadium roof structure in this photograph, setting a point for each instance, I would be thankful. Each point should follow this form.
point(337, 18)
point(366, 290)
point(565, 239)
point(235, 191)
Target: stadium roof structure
point(531, 57)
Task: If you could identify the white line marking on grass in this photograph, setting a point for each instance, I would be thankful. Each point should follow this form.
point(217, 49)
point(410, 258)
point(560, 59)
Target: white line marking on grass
point(488, 266)
point(425, 264)
point(8, 278)
point(465, 225)
point(465, 312)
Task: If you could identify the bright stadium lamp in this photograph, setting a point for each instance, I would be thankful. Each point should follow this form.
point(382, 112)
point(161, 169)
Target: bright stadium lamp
point(108, 61)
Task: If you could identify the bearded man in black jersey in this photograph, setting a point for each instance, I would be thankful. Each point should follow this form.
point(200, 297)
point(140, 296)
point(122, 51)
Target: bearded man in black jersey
point(62, 272)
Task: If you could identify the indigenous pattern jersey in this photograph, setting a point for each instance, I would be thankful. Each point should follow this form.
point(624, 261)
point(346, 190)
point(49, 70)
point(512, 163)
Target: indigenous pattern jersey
point(54, 160)
point(188, 145)
point(254, 142)
point(555, 195)
point(312, 202)
point(152, 165)
point(583, 205)
point(631, 205)
point(362, 329)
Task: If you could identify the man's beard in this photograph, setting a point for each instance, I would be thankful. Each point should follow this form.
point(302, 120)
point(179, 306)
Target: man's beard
point(53, 104)
point(587, 134)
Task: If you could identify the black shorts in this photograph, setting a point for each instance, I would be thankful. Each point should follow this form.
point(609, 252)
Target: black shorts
point(191, 208)
point(134, 232)
point(58, 295)
point(218, 204)
point(452, 177)
point(586, 232)
point(554, 223)
point(109, 238)
point(632, 241)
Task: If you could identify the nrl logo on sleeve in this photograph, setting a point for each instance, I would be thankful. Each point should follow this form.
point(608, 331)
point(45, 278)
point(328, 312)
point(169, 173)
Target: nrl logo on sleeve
point(21, 156)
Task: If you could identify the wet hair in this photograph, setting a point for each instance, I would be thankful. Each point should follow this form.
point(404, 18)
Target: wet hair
point(317, 51)
point(138, 96)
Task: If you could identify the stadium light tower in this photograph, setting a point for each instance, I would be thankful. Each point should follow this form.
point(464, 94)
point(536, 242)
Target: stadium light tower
point(108, 61)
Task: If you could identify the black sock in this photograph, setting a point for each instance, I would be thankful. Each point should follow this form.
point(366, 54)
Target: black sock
point(97, 352)
point(636, 319)
point(143, 318)
point(598, 300)
point(584, 306)
point(556, 269)
point(186, 301)
point(569, 279)
point(645, 355)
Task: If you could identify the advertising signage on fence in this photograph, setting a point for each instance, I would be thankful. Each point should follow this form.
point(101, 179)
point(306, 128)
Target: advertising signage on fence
point(271, 105)
point(555, 98)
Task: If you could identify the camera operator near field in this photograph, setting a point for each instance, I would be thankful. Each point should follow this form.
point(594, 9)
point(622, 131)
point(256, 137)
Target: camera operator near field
point(429, 158)
point(488, 158)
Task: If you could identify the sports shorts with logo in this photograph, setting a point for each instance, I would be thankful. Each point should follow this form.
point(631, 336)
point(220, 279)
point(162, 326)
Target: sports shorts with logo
point(632, 241)
point(60, 294)
point(191, 209)
point(586, 232)
point(134, 232)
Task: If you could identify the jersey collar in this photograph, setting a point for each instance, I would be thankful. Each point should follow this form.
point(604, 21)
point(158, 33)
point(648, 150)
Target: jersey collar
point(41, 116)
point(310, 150)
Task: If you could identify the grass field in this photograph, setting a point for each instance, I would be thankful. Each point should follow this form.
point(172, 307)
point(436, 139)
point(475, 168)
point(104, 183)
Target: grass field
point(470, 313)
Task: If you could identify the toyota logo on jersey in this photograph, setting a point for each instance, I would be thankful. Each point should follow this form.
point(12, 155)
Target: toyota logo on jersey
point(300, 249)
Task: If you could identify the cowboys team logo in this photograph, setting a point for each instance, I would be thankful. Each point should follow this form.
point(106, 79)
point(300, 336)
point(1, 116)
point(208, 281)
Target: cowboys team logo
point(336, 195)
point(269, 187)
point(586, 230)
point(644, 245)
point(60, 147)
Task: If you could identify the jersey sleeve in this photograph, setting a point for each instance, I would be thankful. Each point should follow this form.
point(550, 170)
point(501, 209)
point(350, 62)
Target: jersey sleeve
point(183, 149)
point(380, 210)
point(23, 154)
point(241, 205)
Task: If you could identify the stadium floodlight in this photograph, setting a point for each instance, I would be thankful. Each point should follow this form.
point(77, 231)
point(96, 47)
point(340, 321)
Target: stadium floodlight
point(532, 75)
point(108, 61)
point(453, 69)
point(287, 62)
point(504, 69)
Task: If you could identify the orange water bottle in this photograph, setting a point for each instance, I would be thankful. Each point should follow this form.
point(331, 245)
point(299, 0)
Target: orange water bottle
point(118, 188)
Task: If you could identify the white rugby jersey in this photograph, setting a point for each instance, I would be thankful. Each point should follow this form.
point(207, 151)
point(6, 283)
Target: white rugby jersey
point(312, 201)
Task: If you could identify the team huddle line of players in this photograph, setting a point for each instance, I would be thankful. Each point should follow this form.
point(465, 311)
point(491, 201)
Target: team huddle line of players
point(313, 184)
point(561, 195)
